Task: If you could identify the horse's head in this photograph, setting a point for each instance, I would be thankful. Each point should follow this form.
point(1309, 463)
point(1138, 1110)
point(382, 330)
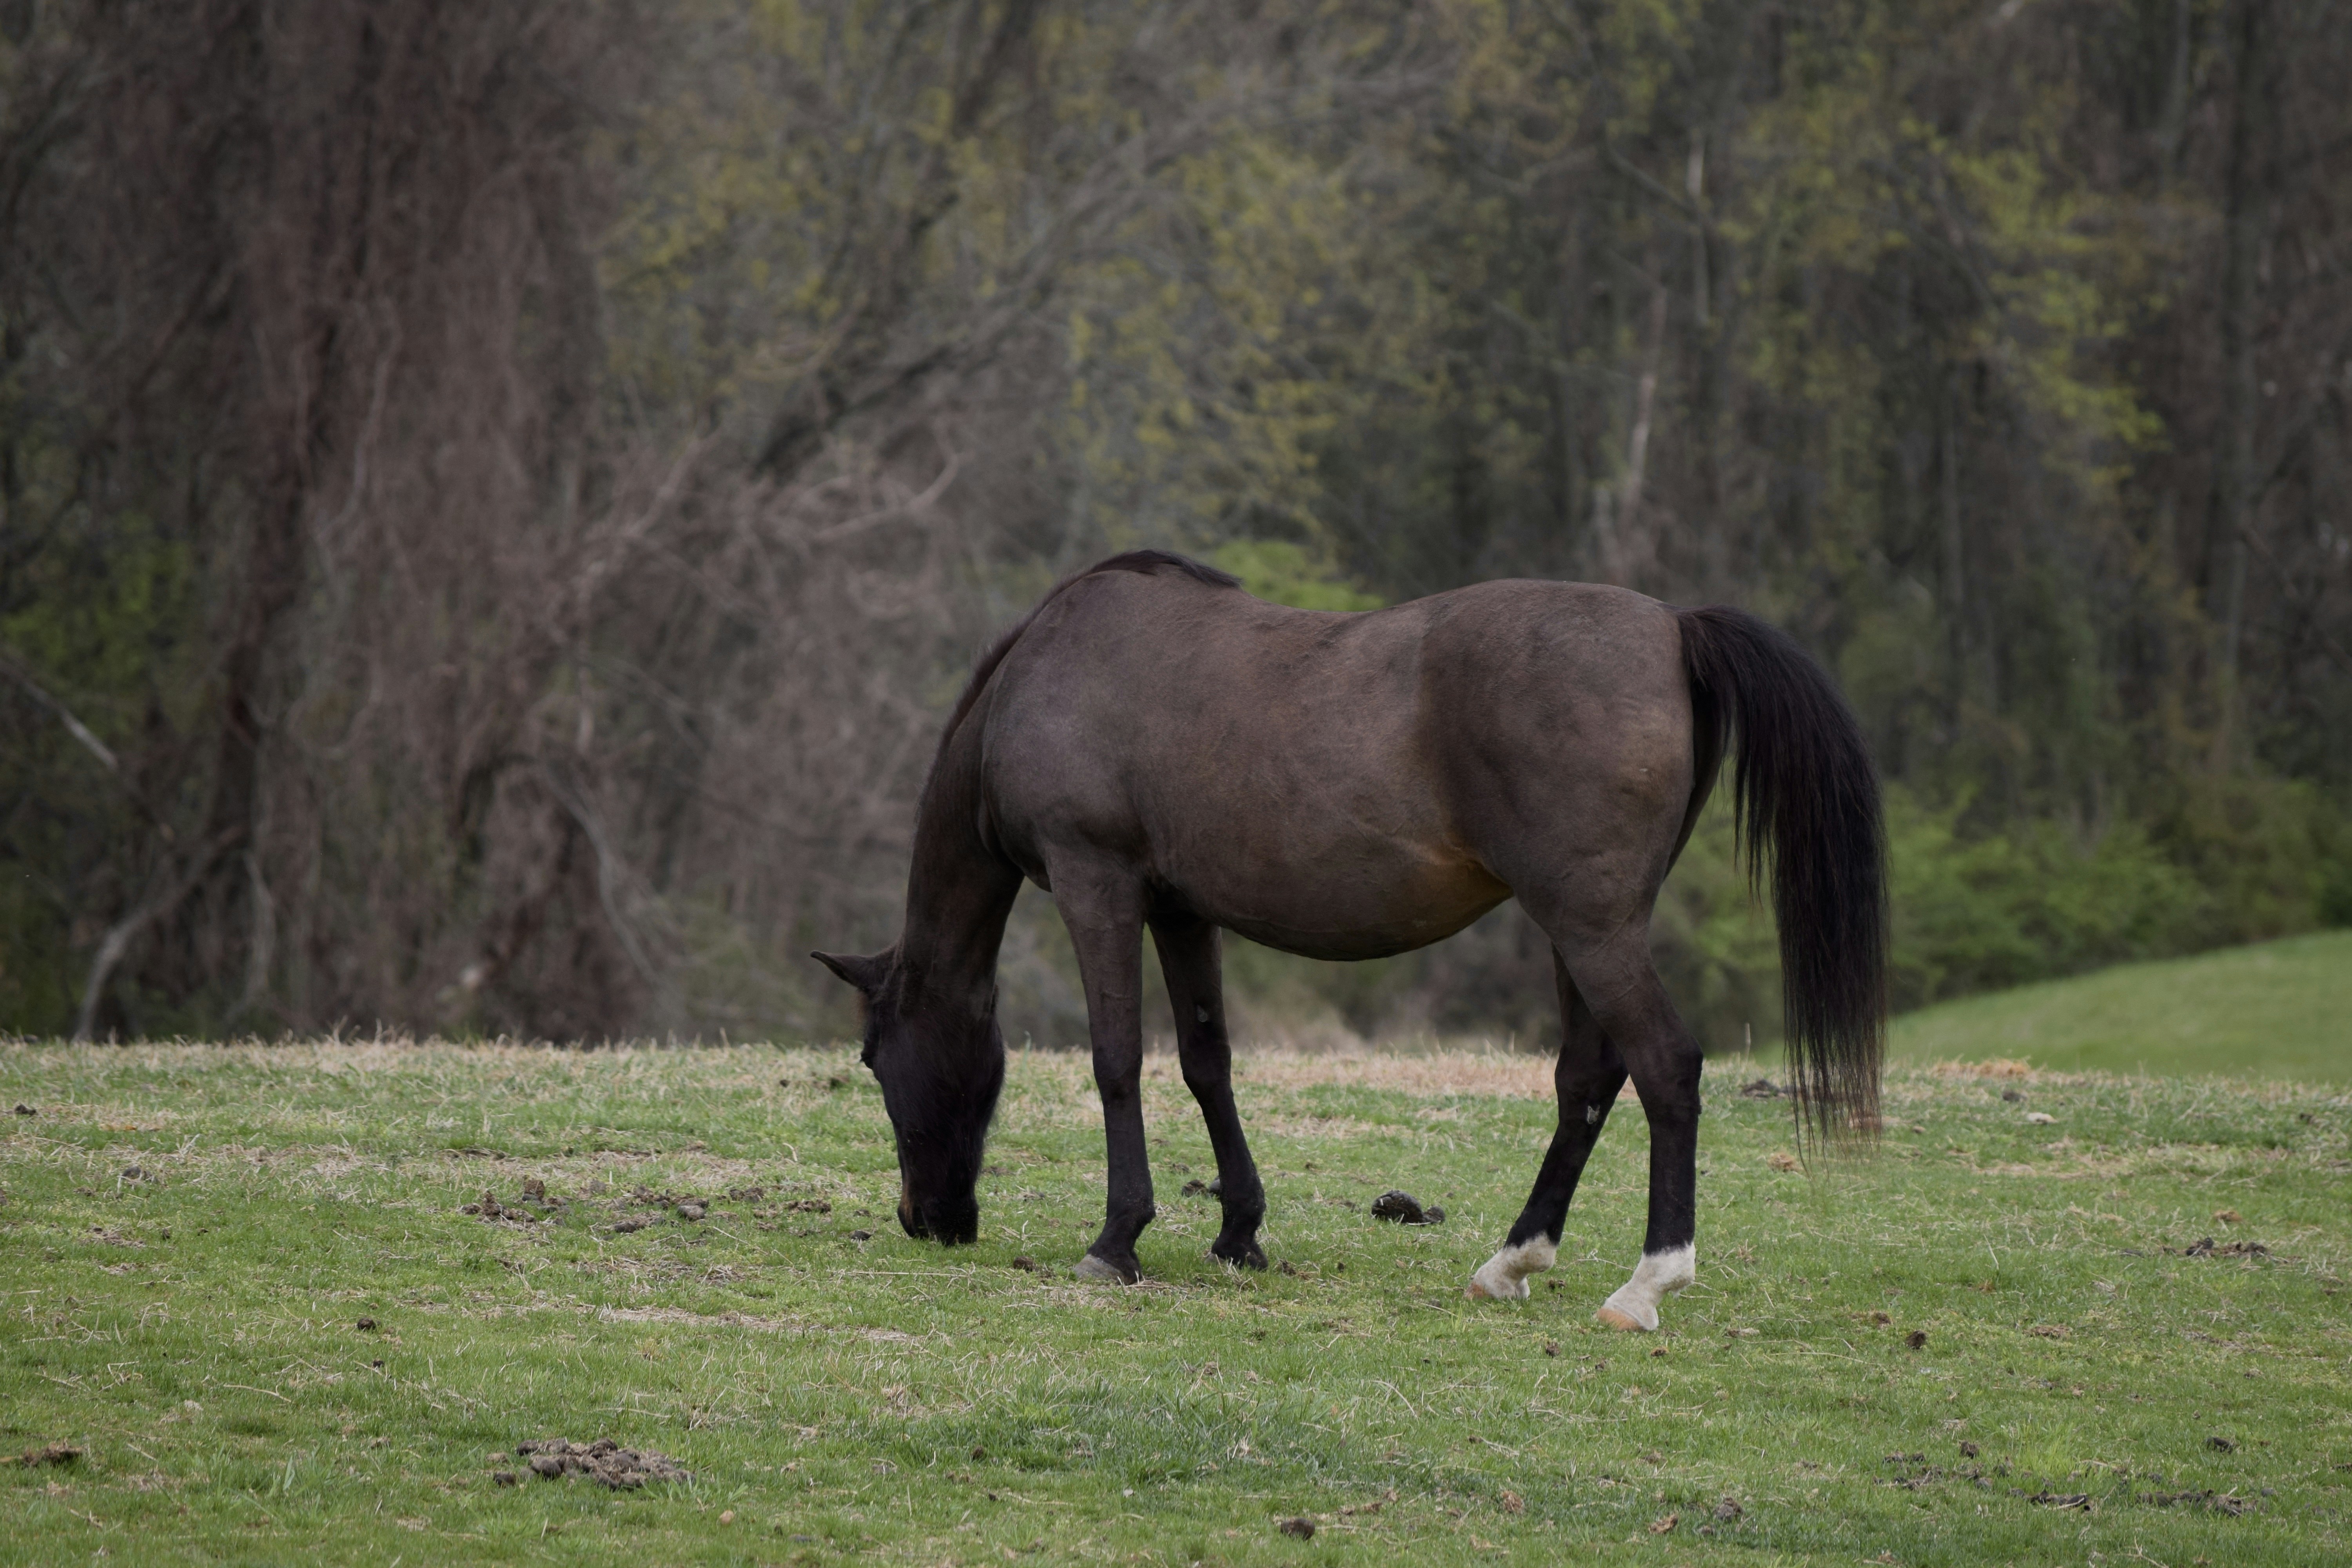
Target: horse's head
point(940, 1065)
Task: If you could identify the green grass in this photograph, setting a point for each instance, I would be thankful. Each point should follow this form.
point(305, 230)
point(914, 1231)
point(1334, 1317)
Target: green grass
point(195, 1334)
point(2278, 1009)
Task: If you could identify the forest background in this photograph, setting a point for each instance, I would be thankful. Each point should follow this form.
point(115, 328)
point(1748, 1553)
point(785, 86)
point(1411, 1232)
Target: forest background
point(496, 500)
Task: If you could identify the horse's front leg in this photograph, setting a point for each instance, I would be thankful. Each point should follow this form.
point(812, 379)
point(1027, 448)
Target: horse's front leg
point(1104, 909)
point(1586, 1078)
point(1188, 958)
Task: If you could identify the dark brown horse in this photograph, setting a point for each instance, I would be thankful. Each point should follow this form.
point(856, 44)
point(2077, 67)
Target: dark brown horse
point(1158, 748)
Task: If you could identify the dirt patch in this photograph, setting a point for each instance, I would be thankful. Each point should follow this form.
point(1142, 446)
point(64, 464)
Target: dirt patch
point(604, 1461)
point(48, 1454)
point(2230, 1504)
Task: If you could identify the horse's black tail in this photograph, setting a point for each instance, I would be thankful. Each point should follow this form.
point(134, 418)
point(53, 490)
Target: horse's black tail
point(1806, 800)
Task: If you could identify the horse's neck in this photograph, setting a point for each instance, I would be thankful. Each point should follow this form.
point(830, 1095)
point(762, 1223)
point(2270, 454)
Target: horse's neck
point(958, 891)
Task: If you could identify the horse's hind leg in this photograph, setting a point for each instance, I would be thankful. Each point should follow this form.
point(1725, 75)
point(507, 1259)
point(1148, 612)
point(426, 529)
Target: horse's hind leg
point(1188, 958)
point(1588, 1076)
point(1104, 909)
point(1630, 1003)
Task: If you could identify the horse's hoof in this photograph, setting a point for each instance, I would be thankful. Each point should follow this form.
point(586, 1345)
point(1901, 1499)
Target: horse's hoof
point(1093, 1268)
point(1503, 1277)
point(1634, 1304)
point(1250, 1256)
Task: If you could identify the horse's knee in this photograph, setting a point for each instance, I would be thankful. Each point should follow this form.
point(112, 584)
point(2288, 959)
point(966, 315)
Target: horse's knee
point(1666, 1077)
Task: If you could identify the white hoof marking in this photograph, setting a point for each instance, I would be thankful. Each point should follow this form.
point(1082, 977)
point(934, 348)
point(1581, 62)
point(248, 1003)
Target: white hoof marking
point(1503, 1277)
point(1659, 1274)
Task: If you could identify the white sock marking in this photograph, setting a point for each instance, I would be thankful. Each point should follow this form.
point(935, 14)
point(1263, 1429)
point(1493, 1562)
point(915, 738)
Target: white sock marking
point(1658, 1276)
point(1503, 1277)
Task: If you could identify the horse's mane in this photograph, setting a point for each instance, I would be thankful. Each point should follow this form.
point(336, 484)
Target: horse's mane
point(1146, 561)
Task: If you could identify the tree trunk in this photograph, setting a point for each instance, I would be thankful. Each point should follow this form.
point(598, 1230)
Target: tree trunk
point(2247, 206)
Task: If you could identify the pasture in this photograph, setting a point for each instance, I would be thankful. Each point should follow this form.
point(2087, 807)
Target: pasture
point(2274, 1009)
point(2000, 1339)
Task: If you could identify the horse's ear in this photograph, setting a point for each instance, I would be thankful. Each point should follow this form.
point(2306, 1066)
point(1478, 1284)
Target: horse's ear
point(866, 974)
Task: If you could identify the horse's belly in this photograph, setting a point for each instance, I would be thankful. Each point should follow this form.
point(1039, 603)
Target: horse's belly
point(1343, 909)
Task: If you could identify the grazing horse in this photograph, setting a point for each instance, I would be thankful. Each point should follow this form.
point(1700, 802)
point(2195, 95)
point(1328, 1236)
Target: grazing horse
point(1155, 748)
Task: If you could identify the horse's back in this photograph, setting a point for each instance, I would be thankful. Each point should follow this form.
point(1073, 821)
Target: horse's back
point(1335, 783)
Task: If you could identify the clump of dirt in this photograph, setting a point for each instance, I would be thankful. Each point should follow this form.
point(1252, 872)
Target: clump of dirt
point(1196, 1188)
point(2222, 1445)
point(606, 1461)
point(490, 1208)
point(1302, 1527)
point(1916, 1338)
point(2205, 1248)
point(23, 1110)
point(1762, 1088)
point(1401, 1208)
point(48, 1454)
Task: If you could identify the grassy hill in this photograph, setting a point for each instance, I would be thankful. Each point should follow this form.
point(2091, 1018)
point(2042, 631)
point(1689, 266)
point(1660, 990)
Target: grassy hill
point(249, 1321)
point(2276, 1010)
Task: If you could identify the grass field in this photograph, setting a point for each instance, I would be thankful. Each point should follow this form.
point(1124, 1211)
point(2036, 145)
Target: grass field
point(2278, 1009)
point(2086, 1390)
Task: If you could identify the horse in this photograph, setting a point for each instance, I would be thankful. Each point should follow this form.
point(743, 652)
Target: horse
point(1157, 749)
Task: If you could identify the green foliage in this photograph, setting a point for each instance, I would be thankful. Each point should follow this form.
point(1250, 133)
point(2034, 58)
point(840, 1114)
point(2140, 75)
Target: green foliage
point(1282, 572)
point(194, 1329)
point(1977, 913)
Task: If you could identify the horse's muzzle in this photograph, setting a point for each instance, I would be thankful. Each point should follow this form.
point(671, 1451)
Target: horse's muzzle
point(954, 1224)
